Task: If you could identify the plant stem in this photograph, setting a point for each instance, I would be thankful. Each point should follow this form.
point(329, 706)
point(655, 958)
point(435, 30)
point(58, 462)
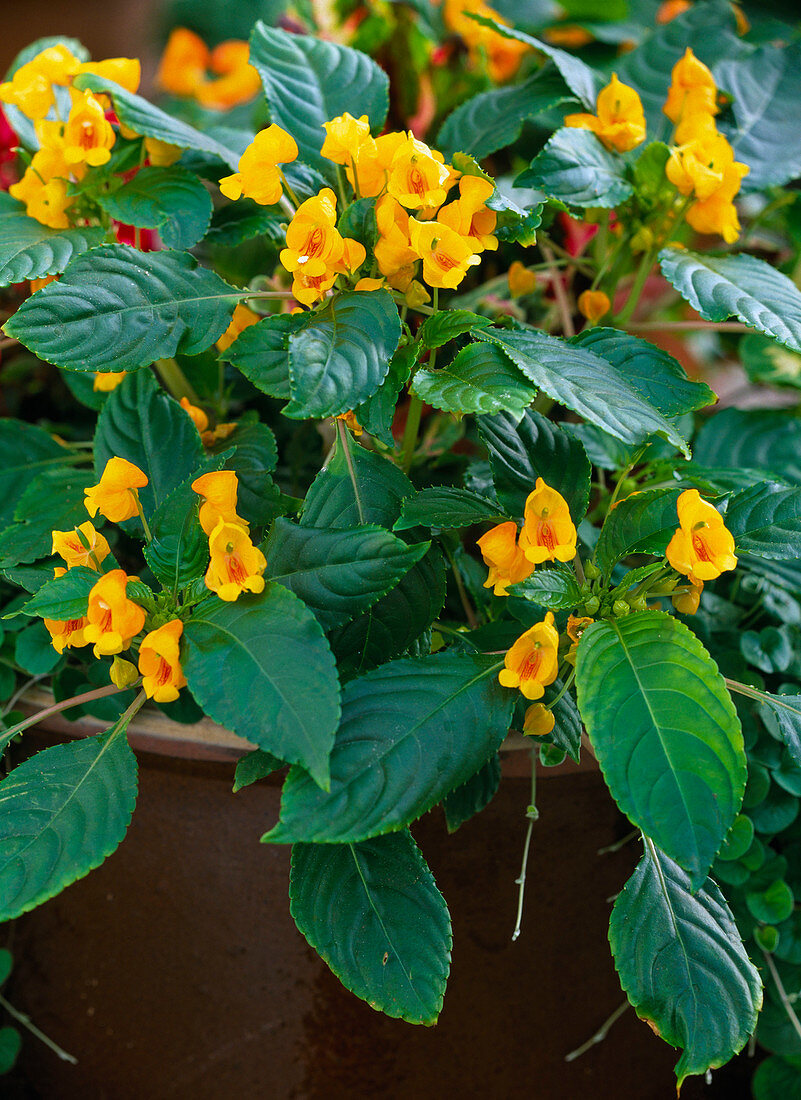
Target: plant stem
point(560, 294)
point(175, 380)
point(145, 526)
point(532, 813)
point(643, 271)
point(26, 1022)
point(470, 614)
point(687, 326)
point(345, 442)
point(565, 686)
point(56, 708)
point(785, 1000)
point(599, 1035)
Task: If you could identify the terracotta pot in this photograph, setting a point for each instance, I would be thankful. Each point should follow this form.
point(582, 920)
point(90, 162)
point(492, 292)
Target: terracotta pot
point(175, 970)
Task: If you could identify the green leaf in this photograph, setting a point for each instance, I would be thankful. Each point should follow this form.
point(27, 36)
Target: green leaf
point(137, 114)
point(665, 732)
point(555, 589)
point(179, 550)
point(30, 250)
point(521, 449)
point(737, 286)
point(575, 167)
point(377, 413)
point(243, 220)
point(341, 356)
point(642, 523)
point(373, 912)
point(772, 905)
point(566, 733)
point(481, 379)
point(683, 965)
point(785, 710)
point(358, 222)
point(34, 651)
point(586, 384)
point(254, 458)
point(25, 451)
point(657, 376)
point(6, 965)
point(763, 135)
point(262, 667)
point(492, 120)
point(776, 1078)
point(356, 487)
point(445, 507)
point(738, 840)
point(142, 424)
point(396, 621)
point(768, 362)
point(261, 352)
point(61, 814)
point(338, 574)
point(765, 520)
point(254, 766)
point(10, 1045)
point(308, 81)
point(447, 712)
point(472, 797)
point(65, 597)
point(116, 309)
point(759, 439)
point(447, 325)
point(172, 200)
point(53, 501)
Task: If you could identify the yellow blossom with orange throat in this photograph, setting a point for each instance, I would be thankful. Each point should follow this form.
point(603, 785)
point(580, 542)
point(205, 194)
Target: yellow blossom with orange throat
point(116, 495)
point(219, 491)
point(160, 664)
point(446, 256)
point(549, 533)
point(538, 720)
point(702, 548)
point(236, 564)
point(417, 175)
point(506, 561)
point(83, 546)
point(368, 169)
point(67, 633)
point(88, 137)
point(313, 241)
point(113, 619)
point(259, 177)
point(532, 663)
point(619, 122)
point(692, 89)
point(469, 216)
point(343, 136)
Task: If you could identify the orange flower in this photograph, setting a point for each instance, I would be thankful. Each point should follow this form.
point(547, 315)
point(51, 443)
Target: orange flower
point(350, 421)
point(417, 175)
point(259, 177)
point(692, 90)
point(106, 381)
point(67, 633)
point(521, 280)
point(116, 495)
point(313, 241)
point(593, 304)
point(568, 37)
point(161, 154)
point(576, 625)
point(125, 71)
point(393, 251)
point(159, 662)
point(43, 189)
point(343, 136)
point(620, 121)
point(532, 662)
point(37, 284)
point(236, 564)
point(219, 492)
point(702, 548)
point(83, 546)
point(238, 81)
point(196, 415)
point(446, 256)
point(669, 9)
point(113, 619)
point(538, 720)
point(502, 55)
point(183, 64)
point(469, 216)
point(687, 603)
point(87, 137)
point(242, 318)
point(369, 169)
point(549, 533)
point(507, 562)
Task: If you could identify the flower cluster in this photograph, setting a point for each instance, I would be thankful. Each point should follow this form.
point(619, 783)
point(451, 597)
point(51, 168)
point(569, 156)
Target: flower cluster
point(235, 565)
point(187, 62)
point(416, 225)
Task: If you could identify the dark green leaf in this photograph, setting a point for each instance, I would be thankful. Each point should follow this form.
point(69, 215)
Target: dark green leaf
point(760, 439)
point(447, 712)
point(765, 520)
point(261, 352)
point(25, 451)
point(555, 589)
point(171, 200)
point(179, 550)
point(785, 710)
point(10, 1045)
point(445, 507)
point(473, 796)
point(447, 325)
point(116, 309)
point(683, 965)
point(30, 250)
point(65, 597)
point(373, 912)
point(644, 522)
point(61, 814)
point(254, 766)
point(567, 730)
point(377, 413)
point(34, 651)
point(358, 222)
point(665, 732)
point(776, 1078)
point(772, 905)
point(481, 379)
point(53, 501)
point(262, 667)
point(338, 574)
point(244, 219)
point(254, 459)
point(575, 167)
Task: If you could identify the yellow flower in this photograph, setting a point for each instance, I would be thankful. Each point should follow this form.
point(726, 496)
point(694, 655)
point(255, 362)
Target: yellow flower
point(196, 415)
point(162, 154)
point(183, 64)
point(469, 216)
point(503, 55)
point(259, 177)
point(242, 318)
point(692, 89)
point(702, 548)
point(669, 9)
point(576, 625)
point(31, 87)
point(106, 381)
point(446, 256)
point(113, 619)
point(67, 633)
point(313, 242)
point(116, 495)
point(83, 546)
point(593, 304)
point(350, 421)
point(368, 171)
point(620, 121)
point(88, 137)
point(393, 251)
point(236, 564)
point(343, 137)
point(125, 71)
point(549, 533)
point(538, 720)
point(718, 214)
point(506, 561)
point(122, 673)
point(238, 81)
point(219, 492)
point(159, 662)
point(702, 167)
point(417, 175)
point(532, 662)
point(369, 284)
point(521, 280)
point(43, 189)
point(687, 603)
point(309, 289)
